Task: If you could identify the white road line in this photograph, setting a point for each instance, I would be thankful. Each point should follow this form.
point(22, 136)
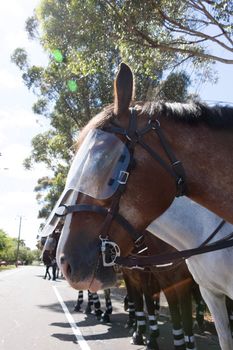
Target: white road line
point(82, 342)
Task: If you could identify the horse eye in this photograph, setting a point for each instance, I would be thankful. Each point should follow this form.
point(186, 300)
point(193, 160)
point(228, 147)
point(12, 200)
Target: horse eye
point(122, 158)
point(111, 182)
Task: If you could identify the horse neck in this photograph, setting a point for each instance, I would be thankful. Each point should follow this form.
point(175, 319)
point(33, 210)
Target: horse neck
point(206, 155)
point(186, 224)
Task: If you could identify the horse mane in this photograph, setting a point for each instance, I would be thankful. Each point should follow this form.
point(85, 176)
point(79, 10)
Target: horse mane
point(219, 117)
point(193, 113)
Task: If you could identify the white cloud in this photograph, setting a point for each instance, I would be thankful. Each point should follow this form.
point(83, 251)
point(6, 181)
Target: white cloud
point(14, 118)
point(13, 157)
point(21, 204)
point(11, 9)
point(9, 80)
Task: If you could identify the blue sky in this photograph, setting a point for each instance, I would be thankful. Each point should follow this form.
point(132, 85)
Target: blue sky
point(18, 124)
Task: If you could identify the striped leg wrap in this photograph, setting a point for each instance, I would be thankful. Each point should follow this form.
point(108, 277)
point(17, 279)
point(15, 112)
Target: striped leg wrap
point(157, 305)
point(141, 321)
point(80, 297)
point(79, 301)
point(96, 301)
point(190, 342)
point(108, 307)
point(90, 298)
point(153, 325)
point(131, 321)
point(131, 309)
point(179, 341)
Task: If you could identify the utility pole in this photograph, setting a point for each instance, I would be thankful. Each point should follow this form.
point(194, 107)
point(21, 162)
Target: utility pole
point(17, 252)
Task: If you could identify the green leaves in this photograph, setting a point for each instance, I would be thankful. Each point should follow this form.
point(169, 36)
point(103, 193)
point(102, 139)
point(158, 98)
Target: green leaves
point(85, 42)
point(8, 247)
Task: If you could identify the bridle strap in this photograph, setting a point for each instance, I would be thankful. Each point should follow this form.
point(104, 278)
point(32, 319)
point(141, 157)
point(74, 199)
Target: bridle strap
point(144, 261)
point(218, 228)
point(134, 135)
point(80, 208)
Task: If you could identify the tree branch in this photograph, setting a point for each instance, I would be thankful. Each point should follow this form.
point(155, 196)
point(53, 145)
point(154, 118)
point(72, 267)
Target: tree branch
point(167, 47)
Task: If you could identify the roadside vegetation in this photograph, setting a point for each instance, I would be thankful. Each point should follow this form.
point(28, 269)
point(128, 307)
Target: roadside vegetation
point(8, 252)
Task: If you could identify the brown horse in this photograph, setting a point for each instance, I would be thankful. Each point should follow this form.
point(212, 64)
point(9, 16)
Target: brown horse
point(158, 151)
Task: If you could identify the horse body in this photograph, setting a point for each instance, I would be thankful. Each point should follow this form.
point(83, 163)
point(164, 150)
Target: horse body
point(186, 225)
point(205, 153)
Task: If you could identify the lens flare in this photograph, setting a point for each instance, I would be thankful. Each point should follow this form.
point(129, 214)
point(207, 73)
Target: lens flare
point(72, 85)
point(57, 55)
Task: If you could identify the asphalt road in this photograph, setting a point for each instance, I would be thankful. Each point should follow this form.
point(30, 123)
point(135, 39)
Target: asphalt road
point(38, 314)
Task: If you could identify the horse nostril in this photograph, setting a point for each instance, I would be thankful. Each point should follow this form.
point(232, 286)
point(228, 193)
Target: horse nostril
point(68, 269)
point(65, 266)
point(62, 259)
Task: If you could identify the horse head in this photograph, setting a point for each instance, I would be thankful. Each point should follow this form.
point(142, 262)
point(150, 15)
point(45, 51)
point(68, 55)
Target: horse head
point(114, 188)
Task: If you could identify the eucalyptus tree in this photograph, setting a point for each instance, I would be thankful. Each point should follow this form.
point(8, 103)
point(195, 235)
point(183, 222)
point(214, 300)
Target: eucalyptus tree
point(85, 41)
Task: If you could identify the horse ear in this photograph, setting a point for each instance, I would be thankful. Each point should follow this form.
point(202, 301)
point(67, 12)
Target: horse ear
point(123, 89)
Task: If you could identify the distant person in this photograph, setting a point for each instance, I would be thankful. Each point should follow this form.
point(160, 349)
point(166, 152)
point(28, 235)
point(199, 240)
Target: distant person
point(54, 268)
point(48, 263)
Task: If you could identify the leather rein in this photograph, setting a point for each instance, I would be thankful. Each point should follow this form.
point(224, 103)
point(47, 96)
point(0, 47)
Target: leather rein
point(109, 249)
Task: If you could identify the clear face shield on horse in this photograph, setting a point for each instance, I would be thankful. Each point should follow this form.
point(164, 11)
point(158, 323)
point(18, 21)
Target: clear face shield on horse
point(98, 168)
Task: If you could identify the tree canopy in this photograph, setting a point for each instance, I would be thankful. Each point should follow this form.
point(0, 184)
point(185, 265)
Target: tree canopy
point(186, 28)
point(8, 249)
point(86, 40)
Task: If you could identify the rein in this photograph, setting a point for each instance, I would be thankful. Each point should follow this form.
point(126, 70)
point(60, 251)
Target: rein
point(169, 258)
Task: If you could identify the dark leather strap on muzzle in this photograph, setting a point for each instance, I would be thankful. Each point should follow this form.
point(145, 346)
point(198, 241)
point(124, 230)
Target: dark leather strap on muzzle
point(79, 208)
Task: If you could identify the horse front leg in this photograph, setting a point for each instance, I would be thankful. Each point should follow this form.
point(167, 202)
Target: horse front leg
point(200, 307)
point(108, 303)
point(177, 331)
point(97, 306)
point(137, 338)
point(185, 300)
point(79, 302)
point(129, 302)
point(153, 314)
point(229, 305)
point(217, 306)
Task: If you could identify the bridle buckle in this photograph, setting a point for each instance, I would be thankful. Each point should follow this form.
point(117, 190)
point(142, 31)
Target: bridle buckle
point(110, 251)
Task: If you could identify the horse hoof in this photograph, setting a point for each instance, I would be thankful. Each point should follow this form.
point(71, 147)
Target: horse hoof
point(88, 310)
point(98, 314)
point(137, 339)
point(180, 347)
point(130, 324)
point(152, 342)
point(77, 308)
point(152, 346)
point(105, 318)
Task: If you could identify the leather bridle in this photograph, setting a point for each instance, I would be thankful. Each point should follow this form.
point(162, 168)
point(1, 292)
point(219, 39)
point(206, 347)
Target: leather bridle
point(133, 135)
point(109, 249)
